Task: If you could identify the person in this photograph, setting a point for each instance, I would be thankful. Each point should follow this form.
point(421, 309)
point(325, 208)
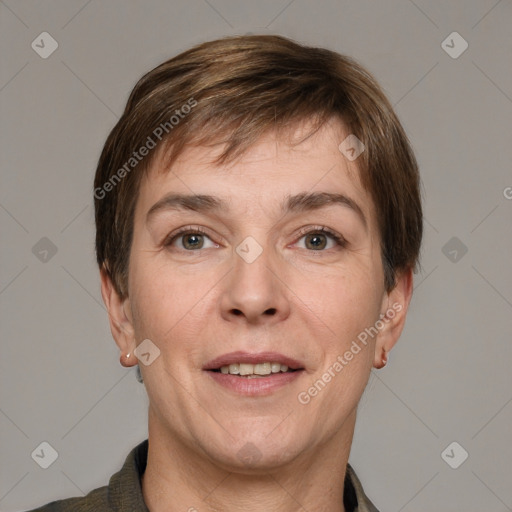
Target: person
point(259, 221)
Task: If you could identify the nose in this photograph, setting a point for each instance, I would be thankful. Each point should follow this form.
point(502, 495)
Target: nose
point(255, 292)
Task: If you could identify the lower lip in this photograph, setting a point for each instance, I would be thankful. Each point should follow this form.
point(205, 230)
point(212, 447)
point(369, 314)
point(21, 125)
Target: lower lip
point(259, 386)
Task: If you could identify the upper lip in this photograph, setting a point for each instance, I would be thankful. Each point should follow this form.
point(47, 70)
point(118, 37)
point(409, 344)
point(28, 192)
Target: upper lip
point(252, 358)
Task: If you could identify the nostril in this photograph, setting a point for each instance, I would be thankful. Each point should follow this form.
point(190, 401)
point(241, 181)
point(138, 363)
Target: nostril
point(270, 312)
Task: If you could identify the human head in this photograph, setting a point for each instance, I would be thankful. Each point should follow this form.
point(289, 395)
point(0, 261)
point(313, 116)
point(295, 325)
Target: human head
point(255, 124)
point(234, 90)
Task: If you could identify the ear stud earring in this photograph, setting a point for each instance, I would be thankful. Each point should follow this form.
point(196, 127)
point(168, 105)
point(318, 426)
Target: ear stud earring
point(125, 360)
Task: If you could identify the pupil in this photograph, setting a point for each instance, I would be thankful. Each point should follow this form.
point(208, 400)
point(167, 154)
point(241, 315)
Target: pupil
point(316, 241)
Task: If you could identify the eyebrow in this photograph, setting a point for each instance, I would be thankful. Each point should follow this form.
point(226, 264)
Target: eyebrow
point(302, 202)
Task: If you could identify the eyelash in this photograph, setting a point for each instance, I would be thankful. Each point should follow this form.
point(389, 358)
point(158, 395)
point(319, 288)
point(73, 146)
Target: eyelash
point(196, 230)
point(187, 230)
point(326, 231)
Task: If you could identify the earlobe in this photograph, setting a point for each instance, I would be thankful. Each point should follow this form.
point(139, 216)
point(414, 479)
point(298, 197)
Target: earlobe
point(380, 363)
point(121, 325)
point(395, 307)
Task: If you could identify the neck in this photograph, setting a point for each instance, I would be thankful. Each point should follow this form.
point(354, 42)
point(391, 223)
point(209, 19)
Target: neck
point(181, 476)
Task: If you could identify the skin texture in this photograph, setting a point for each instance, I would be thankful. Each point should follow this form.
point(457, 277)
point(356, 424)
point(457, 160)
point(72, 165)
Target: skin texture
point(309, 304)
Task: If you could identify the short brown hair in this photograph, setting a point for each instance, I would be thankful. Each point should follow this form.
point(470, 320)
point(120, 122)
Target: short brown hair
point(233, 90)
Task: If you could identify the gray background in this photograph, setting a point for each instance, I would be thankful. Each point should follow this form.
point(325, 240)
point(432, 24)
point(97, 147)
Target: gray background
point(448, 379)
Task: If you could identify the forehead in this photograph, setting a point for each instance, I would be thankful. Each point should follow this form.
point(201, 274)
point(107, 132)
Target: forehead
point(280, 163)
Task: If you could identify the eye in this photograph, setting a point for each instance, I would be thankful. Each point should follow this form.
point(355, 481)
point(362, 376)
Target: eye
point(190, 239)
point(320, 238)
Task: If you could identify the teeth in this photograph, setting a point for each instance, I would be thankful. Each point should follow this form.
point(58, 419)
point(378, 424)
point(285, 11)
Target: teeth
point(246, 369)
point(262, 369)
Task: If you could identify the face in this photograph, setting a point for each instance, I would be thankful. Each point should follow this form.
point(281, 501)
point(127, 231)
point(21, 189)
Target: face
point(281, 263)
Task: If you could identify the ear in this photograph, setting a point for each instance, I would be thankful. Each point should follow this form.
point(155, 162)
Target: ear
point(394, 310)
point(120, 318)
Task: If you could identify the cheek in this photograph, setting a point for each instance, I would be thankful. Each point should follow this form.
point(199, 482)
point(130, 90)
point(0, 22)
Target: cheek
point(347, 294)
point(166, 301)
point(337, 313)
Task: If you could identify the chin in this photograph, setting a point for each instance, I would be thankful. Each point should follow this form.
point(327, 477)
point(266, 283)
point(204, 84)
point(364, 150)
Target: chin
point(252, 454)
point(252, 460)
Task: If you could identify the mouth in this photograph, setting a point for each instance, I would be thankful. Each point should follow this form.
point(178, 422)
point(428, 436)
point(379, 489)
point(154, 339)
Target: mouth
point(254, 374)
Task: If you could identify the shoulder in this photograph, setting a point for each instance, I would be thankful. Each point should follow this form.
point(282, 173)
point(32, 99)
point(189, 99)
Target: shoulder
point(95, 501)
point(123, 493)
